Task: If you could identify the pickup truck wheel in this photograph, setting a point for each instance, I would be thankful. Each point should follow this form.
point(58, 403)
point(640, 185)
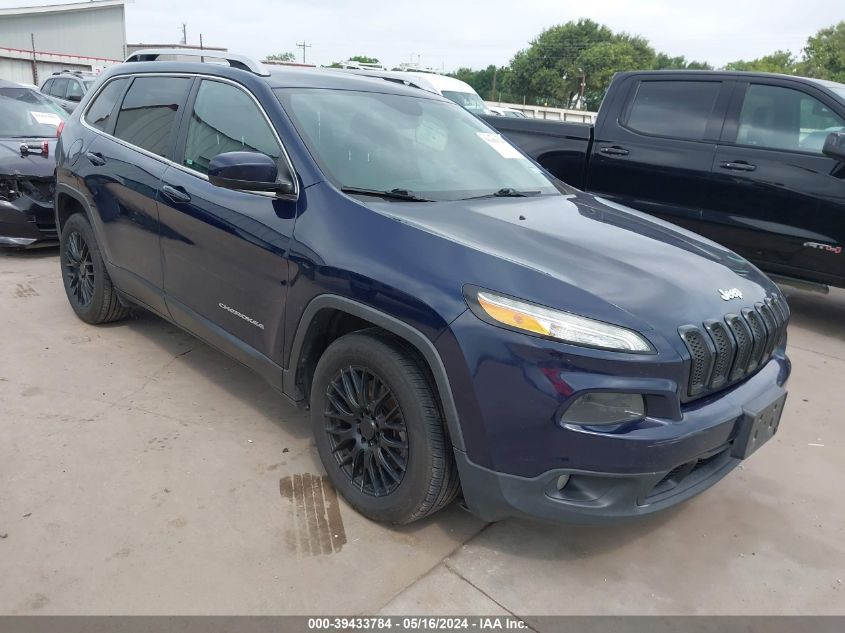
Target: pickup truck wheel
point(379, 429)
point(87, 283)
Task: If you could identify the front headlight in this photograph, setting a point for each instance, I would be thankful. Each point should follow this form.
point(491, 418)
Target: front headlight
point(556, 324)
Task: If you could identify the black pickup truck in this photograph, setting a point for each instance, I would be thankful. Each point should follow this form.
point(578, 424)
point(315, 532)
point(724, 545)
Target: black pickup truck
point(753, 161)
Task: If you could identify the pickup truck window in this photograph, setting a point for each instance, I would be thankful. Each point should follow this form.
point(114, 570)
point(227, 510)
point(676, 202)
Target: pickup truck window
point(226, 119)
point(782, 118)
point(149, 110)
point(427, 146)
point(677, 109)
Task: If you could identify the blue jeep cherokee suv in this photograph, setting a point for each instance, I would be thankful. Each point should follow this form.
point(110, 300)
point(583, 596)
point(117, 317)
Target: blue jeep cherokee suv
point(457, 320)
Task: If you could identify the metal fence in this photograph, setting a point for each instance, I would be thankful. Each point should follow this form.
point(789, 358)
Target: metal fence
point(552, 114)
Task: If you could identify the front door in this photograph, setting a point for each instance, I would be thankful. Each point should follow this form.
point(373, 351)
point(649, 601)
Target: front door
point(657, 156)
point(777, 199)
point(225, 252)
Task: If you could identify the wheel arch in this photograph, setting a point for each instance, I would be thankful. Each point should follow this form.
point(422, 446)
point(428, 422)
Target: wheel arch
point(317, 319)
point(69, 201)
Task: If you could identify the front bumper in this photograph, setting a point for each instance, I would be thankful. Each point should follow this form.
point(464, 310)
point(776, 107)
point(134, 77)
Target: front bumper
point(25, 222)
point(595, 497)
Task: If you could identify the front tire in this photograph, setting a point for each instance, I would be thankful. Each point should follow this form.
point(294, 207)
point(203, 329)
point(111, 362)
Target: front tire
point(88, 287)
point(379, 429)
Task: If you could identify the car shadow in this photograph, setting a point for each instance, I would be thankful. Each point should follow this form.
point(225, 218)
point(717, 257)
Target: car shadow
point(41, 252)
point(223, 372)
point(819, 313)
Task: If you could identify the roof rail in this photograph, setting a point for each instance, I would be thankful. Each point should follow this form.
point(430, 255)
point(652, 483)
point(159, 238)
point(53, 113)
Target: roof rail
point(399, 77)
point(235, 61)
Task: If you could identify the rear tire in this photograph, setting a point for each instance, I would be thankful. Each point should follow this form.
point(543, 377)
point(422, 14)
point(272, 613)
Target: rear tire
point(88, 287)
point(380, 431)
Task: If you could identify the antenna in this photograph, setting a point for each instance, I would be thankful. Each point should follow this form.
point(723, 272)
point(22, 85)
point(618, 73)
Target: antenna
point(303, 46)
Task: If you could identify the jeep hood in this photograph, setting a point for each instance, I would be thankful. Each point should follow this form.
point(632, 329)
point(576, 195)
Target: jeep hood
point(662, 275)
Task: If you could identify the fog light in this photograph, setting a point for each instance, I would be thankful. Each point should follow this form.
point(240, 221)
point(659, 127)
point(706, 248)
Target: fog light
point(596, 409)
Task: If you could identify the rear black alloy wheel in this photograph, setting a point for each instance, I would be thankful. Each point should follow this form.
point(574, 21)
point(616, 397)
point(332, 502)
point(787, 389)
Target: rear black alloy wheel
point(367, 432)
point(88, 286)
point(79, 269)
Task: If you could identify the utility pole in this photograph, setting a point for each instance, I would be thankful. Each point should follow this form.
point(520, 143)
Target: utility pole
point(583, 89)
point(184, 33)
point(303, 46)
point(493, 90)
point(34, 60)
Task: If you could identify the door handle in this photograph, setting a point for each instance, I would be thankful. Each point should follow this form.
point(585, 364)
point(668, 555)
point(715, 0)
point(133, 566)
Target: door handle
point(95, 158)
point(739, 165)
point(614, 151)
point(175, 195)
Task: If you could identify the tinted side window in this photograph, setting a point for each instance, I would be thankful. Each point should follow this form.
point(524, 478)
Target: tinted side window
point(100, 110)
point(59, 88)
point(787, 119)
point(679, 109)
point(226, 119)
point(48, 85)
point(74, 90)
point(148, 113)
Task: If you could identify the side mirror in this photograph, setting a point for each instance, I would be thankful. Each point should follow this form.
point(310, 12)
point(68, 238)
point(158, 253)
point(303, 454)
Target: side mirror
point(249, 171)
point(834, 146)
point(74, 98)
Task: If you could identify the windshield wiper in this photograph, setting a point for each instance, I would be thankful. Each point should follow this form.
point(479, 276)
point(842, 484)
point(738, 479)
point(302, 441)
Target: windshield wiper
point(396, 194)
point(507, 192)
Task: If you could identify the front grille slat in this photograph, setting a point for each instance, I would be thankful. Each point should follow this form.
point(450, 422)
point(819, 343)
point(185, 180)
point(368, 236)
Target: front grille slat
point(702, 358)
point(744, 344)
point(725, 351)
point(758, 335)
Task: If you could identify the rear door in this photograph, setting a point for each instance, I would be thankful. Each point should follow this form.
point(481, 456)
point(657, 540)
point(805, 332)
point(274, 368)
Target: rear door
point(657, 154)
point(225, 251)
point(777, 199)
point(122, 169)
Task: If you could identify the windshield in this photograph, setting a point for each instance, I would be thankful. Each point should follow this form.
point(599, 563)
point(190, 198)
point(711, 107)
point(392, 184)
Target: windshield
point(426, 146)
point(468, 100)
point(25, 113)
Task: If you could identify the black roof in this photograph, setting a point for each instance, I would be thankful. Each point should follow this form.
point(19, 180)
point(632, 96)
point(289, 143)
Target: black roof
point(285, 77)
point(746, 74)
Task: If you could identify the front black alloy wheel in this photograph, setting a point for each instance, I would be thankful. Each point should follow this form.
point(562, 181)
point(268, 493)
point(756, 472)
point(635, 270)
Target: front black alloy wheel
point(379, 428)
point(367, 431)
point(87, 283)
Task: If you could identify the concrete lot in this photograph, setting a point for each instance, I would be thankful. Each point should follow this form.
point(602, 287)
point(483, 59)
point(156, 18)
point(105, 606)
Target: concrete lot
point(143, 472)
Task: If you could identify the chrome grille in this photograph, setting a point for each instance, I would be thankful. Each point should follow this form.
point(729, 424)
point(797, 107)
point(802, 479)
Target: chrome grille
point(725, 351)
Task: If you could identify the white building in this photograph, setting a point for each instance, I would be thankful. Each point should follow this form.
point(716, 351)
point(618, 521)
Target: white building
point(36, 41)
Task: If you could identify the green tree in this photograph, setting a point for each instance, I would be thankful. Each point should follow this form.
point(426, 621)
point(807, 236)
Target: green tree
point(666, 62)
point(282, 57)
point(824, 55)
point(552, 69)
point(483, 80)
point(782, 62)
point(363, 59)
point(597, 65)
point(547, 71)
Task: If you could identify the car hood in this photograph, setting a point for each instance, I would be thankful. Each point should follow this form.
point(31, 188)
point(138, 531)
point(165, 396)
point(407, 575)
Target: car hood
point(32, 165)
point(660, 274)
